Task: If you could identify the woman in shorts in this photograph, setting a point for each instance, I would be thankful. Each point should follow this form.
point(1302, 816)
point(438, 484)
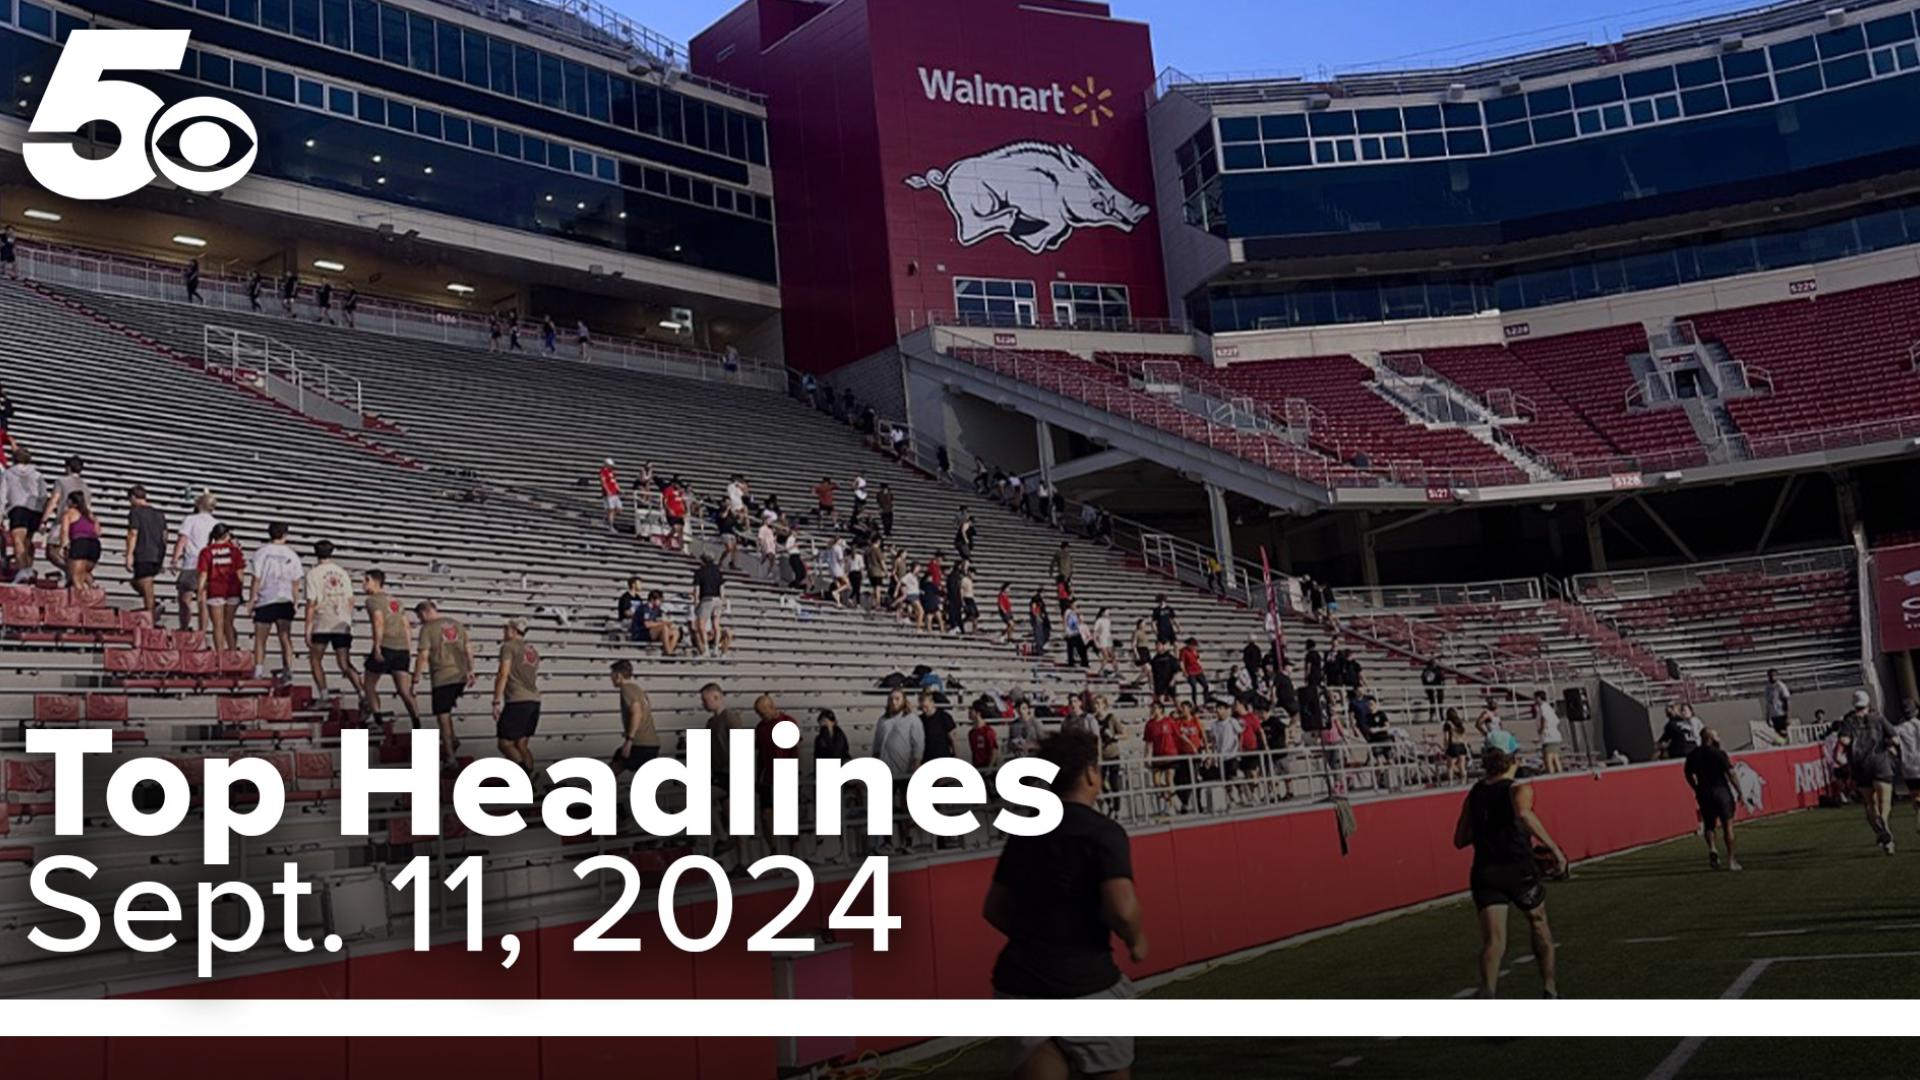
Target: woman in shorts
point(80, 536)
point(1498, 822)
point(1453, 732)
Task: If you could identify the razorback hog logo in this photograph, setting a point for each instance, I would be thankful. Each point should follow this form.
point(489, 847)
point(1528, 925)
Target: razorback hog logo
point(1751, 787)
point(1035, 193)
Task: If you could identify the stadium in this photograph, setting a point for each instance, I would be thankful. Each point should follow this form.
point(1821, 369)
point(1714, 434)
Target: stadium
point(952, 380)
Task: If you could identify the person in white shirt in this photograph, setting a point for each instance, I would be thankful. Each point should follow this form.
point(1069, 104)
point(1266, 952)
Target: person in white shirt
point(1224, 735)
point(769, 547)
point(1103, 641)
point(837, 570)
point(330, 603)
point(900, 742)
point(1906, 743)
point(275, 577)
point(1779, 702)
point(195, 533)
point(1550, 735)
point(859, 495)
point(23, 491)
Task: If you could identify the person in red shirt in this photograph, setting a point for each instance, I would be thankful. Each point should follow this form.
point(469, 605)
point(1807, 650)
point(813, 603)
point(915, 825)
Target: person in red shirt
point(222, 569)
point(982, 739)
point(1253, 747)
point(1194, 670)
point(674, 501)
point(610, 494)
point(823, 494)
point(765, 753)
point(1163, 748)
point(1004, 603)
point(1190, 741)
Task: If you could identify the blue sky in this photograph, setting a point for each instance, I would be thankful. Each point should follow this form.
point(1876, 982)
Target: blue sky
point(1202, 37)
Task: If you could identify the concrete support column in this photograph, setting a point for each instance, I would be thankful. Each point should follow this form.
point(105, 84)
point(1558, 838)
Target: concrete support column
point(1596, 543)
point(1369, 550)
point(1909, 686)
point(1043, 449)
point(1222, 530)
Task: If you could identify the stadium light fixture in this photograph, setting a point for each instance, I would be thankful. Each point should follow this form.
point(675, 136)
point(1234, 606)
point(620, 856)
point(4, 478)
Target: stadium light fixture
point(41, 215)
point(379, 179)
point(623, 215)
point(459, 288)
point(329, 265)
point(428, 170)
point(309, 144)
point(376, 159)
point(189, 240)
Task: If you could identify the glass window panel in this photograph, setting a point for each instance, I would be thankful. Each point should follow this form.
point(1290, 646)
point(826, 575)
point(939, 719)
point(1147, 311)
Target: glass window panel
point(582, 162)
point(276, 15)
point(1841, 42)
point(503, 67)
point(559, 157)
point(1378, 121)
point(1666, 106)
point(393, 34)
point(451, 52)
point(1426, 145)
point(1745, 63)
point(1706, 99)
point(35, 19)
point(1589, 121)
point(1287, 155)
point(553, 92)
point(670, 125)
point(1597, 92)
point(1883, 61)
point(1553, 128)
point(312, 94)
point(372, 109)
point(306, 19)
point(1846, 70)
point(717, 129)
point(1890, 29)
point(1800, 81)
point(1746, 92)
point(1461, 114)
point(1370, 150)
point(474, 48)
point(338, 100)
point(1551, 100)
point(597, 94)
point(1421, 117)
point(246, 11)
point(756, 141)
point(1323, 152)
point(533, 148)
point(605, 168)
point(456, 130)
point(246, 77)
point(483, 137)
point(1242, 157)
point(656, 181)
point(646, 108)
point(215, 69)
point(1466, 141)
point(703, 192)
point(1239, 129)
point(427, 122)
point(1615, 116)
point(366, 27)
point(1505, 109)
point(526, 73)
point(1791, 54)
point(1640, 111)
point(279, 85)
point(1283, 126)
point(573, 87)
point(1698, 72)
point(1509, 136)
point(622, 95)
point(400, 115)
point(1652, 81)
point(1395, 146)
point(696, 123)
point(1330, 123)
point(336, 25)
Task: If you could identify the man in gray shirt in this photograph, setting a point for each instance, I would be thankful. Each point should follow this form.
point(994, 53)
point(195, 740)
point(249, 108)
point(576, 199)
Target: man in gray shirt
point(1779, 701)
point(146, 547)
point(1867, 752)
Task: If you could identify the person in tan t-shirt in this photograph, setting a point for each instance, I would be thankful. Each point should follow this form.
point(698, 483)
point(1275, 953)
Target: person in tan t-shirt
point(641, 742)
point(516, 695)
point(392, 638)
point(445, 660)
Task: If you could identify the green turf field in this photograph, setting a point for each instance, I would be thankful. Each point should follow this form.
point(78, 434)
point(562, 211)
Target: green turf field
point(1652, 923)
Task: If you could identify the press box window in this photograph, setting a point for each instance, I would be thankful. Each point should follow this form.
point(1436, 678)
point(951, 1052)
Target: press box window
point(1076, 304)
point(994, 301)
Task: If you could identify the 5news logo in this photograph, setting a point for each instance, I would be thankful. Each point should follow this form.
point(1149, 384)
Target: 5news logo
point(79, 93)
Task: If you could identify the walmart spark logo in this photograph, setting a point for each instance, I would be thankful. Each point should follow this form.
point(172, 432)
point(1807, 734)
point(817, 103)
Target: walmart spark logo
point(1092, 102)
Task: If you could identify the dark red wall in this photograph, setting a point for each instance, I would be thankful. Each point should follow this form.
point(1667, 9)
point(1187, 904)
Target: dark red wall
point(861, 252)
point(1208, 890)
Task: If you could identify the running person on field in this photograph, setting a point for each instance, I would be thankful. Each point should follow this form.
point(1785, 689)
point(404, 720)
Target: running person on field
point(445, 658)
point(1060, 899)
point(1866, 750)
point(1498, 822)
point(1709, 772)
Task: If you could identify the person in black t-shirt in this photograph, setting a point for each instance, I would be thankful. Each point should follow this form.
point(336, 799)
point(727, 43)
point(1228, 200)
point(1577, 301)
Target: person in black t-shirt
point(1060, 899)
point(1498, 822)
point(708, 585)
point(939, 727)
point(1164, 667)
point(1709, 772)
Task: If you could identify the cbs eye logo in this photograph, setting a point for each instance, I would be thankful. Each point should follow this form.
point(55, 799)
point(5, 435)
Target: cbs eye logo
point(77, 95)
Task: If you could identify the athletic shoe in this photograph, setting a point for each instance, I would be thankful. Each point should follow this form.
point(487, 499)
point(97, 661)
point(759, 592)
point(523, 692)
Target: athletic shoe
point(1713, 860)
point(1733, 864)
point(1886, 846)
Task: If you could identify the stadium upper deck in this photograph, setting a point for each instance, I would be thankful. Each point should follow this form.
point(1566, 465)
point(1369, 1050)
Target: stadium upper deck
point(1701, 151)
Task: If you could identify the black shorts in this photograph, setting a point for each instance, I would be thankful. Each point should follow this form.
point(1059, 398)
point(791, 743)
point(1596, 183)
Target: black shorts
point(1514, 884)
point(1141, 655)
point(518, 720)
point(333, 641)
point(22, 517)
point(389, 661)
point(85, 549)
point(1456, 749)
point(273, 614)
point(446, 697)
point(145, 571)
point(1716, 807)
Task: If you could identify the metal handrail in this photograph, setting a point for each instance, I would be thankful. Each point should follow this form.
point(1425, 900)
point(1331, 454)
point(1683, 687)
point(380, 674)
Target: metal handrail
point(916, 319)
point(145, 279)
point(242, 353)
